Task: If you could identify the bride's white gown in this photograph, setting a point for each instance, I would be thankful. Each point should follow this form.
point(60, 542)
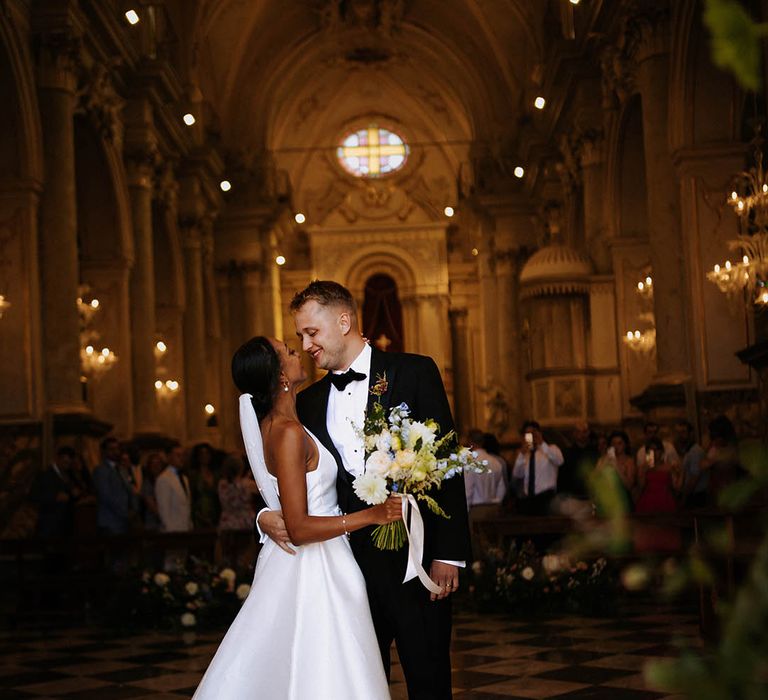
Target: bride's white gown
point(305, 630)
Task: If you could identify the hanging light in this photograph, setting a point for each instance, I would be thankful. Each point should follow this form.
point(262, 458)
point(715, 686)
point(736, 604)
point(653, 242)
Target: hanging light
point(280, 260)
point(210, 409)
point(519, 171)
point(132, 16)
point(299, 218)
point(643, 342)
point(539, 102)
point(225, 185)
point(449, 212)
point(189, 119)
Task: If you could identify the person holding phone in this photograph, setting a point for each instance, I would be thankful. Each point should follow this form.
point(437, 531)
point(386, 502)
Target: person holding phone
point(536, 470)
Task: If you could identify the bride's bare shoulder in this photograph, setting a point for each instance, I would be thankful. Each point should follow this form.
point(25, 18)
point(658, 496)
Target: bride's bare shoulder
point(285, 432)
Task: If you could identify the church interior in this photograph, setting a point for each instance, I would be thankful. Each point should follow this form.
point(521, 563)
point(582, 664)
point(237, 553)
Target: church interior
point(562, 202)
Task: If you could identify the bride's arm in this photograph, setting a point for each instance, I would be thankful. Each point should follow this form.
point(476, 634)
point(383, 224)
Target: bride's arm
point(290, 455)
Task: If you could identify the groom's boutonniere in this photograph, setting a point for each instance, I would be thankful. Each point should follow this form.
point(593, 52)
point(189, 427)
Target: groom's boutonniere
point(381, 385)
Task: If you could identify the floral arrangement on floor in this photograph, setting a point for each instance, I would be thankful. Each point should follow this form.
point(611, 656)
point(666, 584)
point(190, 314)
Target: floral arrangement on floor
point(195, 596)
point(524, 581)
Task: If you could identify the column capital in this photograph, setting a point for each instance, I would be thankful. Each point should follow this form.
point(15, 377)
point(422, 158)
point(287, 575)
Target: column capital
point(648, 34)
point(59, 60)
point(98, 99)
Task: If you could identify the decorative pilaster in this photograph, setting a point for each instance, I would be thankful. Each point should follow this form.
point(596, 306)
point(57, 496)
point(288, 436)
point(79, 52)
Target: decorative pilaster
point(58, 65)
point(462, 372)
point(141, 158)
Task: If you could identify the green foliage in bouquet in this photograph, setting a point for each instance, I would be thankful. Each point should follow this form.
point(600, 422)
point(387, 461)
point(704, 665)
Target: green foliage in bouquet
point(522, 581)
point(197, 596)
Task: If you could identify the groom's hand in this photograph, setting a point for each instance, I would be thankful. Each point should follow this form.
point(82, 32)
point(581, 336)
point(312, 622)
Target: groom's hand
point(446, 576)
point(272, 524)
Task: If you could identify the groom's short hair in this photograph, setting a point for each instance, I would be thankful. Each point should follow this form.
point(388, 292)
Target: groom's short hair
point(325, 293)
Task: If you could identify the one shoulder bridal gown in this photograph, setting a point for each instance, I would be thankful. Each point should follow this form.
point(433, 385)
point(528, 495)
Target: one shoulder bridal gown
point(304, 632)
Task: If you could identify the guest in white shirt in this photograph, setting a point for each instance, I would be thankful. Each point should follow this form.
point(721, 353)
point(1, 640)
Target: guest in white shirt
point(535, 470)
point(489, 488)
point(173, 495)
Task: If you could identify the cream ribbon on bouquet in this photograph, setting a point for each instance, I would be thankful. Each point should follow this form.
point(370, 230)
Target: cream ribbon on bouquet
point(416, 544)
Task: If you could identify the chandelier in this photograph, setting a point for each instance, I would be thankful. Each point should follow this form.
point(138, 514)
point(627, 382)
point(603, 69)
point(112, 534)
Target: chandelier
point(748, 274)
point(641, 341)
point(93, 362)
point(167, 389)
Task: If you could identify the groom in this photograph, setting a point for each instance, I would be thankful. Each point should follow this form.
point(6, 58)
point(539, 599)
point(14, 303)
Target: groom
point(420, 623)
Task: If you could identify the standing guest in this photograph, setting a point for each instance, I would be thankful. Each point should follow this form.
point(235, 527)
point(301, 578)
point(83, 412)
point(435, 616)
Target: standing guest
point(174, 505)
point(153, 467)
point(536, 469)
point(130, 469)
point(204, 481)
point(237, 493)
point(55, 495)
point(237, 489)
point(618, 458)
point(695, 480)
point(492, 447)
point(659, 483)
point(721, 462)
point(117, 503)
point(650, 431)
point(486, 489)
point(579, 458)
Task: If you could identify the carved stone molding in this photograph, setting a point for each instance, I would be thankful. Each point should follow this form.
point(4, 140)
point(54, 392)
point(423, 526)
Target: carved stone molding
point(59, 57)
point(97, 98)
point(166, 186)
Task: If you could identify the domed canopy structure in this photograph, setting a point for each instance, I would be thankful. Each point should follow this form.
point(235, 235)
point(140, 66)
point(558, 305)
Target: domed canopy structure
point(555, 269)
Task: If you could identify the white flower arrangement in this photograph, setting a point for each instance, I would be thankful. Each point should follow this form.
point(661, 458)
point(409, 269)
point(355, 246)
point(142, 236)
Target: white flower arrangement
point(242, 591)
point(407, 457)
point(188, 620)
point(191, 588)
point(161, 579)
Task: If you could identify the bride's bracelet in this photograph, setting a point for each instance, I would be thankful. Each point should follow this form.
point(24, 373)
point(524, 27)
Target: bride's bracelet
point(344, 524)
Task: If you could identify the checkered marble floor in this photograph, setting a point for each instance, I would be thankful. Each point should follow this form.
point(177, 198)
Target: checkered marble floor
point(494, 657)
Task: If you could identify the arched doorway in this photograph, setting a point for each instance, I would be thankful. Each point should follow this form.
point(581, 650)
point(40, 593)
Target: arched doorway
point(383, 314)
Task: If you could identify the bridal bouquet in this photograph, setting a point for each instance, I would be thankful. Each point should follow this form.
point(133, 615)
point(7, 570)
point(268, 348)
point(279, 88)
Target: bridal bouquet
point(405, 456)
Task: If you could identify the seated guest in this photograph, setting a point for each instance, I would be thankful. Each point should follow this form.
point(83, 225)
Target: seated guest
point(659, 484)
point(174, 504)
point(153, 467)
point(55, 495)
point(535, 470)
point(651, 430)
point(117, 504)
point(695, 480)
point(204, 481)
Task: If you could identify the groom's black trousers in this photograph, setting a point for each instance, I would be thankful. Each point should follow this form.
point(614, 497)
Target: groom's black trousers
point(403, 612)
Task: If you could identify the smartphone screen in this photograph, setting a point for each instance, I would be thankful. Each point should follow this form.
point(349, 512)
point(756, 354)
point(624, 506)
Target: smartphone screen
point(529, 439)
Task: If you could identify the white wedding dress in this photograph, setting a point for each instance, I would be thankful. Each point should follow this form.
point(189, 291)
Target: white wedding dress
point(305, 630)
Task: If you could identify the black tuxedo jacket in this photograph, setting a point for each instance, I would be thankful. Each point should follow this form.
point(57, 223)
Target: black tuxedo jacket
point(414, 380)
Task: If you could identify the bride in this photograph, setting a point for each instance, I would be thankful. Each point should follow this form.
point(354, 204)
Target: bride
point(305, 630)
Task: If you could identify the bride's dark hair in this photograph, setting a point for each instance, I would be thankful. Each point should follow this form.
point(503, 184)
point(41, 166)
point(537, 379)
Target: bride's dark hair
point(256, 371)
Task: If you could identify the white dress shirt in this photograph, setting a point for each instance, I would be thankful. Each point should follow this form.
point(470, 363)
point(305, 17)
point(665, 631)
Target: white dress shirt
point(346, 413)
point(547, 461)
point(489, 487)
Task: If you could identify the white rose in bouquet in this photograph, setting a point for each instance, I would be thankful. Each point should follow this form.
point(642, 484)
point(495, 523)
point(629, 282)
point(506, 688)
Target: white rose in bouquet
point(162, 579)
point(378, 463)
point(405, 459)
point(191, 588)
point(527, 573)
point(384, 441)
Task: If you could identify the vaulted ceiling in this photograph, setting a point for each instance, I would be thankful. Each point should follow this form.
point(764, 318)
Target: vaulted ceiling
point(288, 74)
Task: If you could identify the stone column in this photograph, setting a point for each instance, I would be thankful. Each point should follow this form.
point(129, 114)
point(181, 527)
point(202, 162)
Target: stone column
point(666, 244)
point(193, 385)
point(59, 267)
point(591, 159)
point(462, 370)
point(143, 327)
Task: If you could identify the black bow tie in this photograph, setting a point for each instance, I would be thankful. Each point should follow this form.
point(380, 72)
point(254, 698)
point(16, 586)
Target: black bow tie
point(340, 381)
